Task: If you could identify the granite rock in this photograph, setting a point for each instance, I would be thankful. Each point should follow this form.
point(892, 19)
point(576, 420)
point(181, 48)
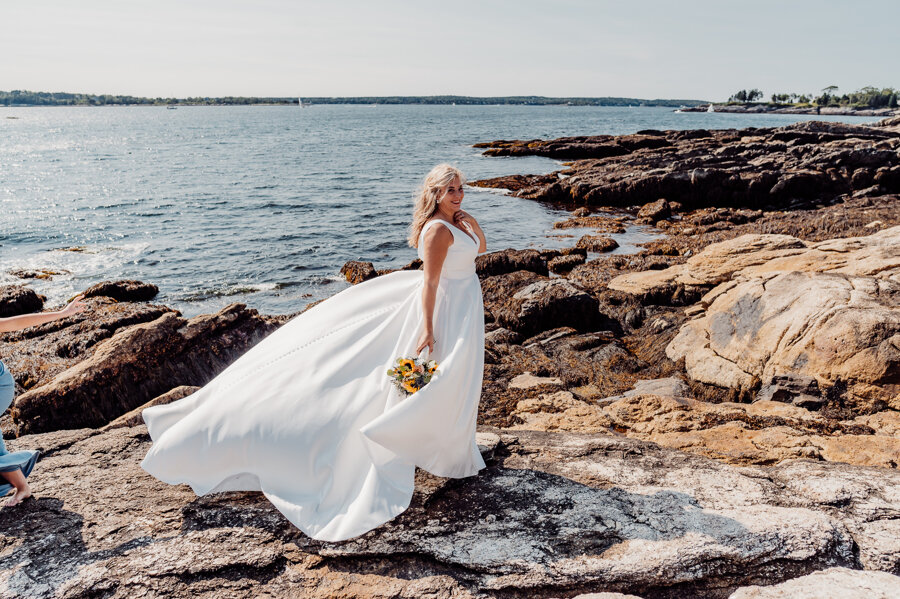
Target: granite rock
point(554, 514)
point(137, 364)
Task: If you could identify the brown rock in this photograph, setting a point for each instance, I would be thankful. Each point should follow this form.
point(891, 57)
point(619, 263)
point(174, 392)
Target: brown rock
point(567, 513)
point(550, 254)
point(885, 423)
point(547, 304)
point(138, 364)
point(506, 261)
point(17, 299)
point(357, 272)
point(496, 290)
point(577, 358)
point(565, 148)
point(526, 380)
point(893, 121)
point(793, 166)
point(765, 432)
point(597, 243)
point(561, 411)
point(414, 265)
point(833, 582)
point(655, 211)
point(827, 312)
point(602, 224)
point(502, 335)
point(123, 291)
point(37, 354)
point(134, 418)
point(515, 183)
point(563, 264)
point(41, 273)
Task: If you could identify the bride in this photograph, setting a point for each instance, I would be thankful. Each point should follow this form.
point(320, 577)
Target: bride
point(310, 417)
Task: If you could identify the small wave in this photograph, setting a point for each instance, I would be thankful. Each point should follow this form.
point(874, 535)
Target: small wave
point(75, 248)
point(326, 279)
point(202, 295)
point(83, 261)
point(500, 191)
point(276, 206)
point(292, 237)
point(302, 252)
point(390, 245)
point(123, 204)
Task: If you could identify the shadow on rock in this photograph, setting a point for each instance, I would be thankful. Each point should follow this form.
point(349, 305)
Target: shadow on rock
point(29, 569)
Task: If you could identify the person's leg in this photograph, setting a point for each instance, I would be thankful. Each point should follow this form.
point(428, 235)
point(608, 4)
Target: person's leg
point(17, 479)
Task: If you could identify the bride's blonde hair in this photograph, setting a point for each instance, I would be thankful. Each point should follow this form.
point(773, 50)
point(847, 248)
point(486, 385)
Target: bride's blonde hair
point(427, 196)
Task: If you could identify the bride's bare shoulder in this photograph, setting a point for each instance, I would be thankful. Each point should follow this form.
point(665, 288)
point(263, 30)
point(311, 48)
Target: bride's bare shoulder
point(440, 235)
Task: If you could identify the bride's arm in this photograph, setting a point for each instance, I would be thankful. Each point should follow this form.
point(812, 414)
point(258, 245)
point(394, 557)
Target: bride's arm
point(437, 240)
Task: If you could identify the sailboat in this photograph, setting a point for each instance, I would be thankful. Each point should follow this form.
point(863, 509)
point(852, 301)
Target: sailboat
point(710, 108)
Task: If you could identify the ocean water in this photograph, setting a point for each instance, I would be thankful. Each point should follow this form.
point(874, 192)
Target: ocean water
point(264, 204)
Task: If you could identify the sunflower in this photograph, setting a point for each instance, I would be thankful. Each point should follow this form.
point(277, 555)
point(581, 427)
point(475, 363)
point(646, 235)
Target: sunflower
point(411, 375)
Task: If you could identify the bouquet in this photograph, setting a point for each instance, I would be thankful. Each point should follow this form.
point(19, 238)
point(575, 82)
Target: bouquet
point(411, 374)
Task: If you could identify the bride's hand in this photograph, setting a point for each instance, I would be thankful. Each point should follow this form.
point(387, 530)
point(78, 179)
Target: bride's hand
point(425, 338)
point(461, 216)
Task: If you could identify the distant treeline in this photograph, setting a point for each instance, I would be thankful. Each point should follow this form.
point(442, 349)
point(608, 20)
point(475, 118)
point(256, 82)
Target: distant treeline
point(513, 100)
point(867, 97)
point(29, 98)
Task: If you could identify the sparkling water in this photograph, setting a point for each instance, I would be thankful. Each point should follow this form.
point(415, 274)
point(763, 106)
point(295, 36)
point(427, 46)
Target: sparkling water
point(264, 204)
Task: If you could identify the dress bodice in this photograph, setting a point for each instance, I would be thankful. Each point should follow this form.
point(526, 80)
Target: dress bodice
point(460, 260)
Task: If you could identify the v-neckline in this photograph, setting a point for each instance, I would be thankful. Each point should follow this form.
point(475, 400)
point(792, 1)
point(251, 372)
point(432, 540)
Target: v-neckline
point(458, 229)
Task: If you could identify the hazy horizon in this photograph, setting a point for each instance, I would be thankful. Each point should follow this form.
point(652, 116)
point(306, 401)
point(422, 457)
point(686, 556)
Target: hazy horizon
point(573, 48)
point(348, 97)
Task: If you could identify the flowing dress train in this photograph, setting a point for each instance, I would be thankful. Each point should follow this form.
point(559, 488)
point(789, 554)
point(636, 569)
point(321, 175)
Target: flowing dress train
point(309, 416)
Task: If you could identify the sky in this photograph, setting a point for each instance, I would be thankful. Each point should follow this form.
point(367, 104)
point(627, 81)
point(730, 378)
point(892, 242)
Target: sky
point(689, 49)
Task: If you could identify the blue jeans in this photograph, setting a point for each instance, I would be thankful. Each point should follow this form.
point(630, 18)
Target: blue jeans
point(17, 460)
point(7, 393)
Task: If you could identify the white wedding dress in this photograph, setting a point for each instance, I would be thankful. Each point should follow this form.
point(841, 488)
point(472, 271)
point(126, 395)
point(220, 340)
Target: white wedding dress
point(310, 417)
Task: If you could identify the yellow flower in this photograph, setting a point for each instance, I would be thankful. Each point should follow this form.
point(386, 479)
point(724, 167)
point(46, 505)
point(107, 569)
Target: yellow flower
point(406, 362)
point(410, 386)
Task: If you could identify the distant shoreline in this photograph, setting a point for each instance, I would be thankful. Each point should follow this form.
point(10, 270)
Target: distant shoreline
point(18, 98)
point(780, 109)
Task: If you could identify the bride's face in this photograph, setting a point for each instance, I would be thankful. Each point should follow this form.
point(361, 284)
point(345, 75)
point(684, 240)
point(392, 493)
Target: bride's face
point(453, 196)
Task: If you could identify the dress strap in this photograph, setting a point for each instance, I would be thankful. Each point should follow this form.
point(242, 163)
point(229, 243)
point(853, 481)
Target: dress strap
point(434, 220)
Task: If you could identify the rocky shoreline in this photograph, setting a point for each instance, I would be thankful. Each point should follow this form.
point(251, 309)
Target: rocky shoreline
point(779, 109)
point(717, 415)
